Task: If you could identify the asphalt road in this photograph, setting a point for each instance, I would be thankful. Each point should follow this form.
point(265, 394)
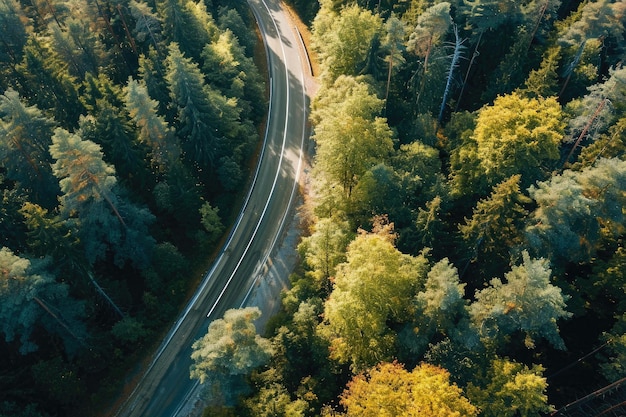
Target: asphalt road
point(165, 387)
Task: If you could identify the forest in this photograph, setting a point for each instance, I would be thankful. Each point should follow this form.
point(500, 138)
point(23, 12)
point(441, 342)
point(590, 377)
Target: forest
point(463, 249)
point(127, 130)
point(463, 224)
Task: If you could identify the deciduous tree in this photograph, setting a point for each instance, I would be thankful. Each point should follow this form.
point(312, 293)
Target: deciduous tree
point(229, 351)
point(344, 45)
point(390, 390)
point(511, 389)
point(517, 135)
point(372, 289)
point(353, 139)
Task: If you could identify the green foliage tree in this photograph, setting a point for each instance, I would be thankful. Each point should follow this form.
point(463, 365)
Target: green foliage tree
point(148, 26)
point(393, 43)
point(45, 81)
point(543, 81)
point(153, 129)
point(89, 202)
point(206, 118)
point(211, 222)
point(427, 43)
point(325, 248)
point(30, 297)
point(273, 399)
point(48, 235)
point(231, 346)
point(109, 125)
point(351, 139)
point(596, 110)
point(525, 302)
point(439, 307)
point(372, 289)
point(25, 136)
point(77, 45)
point(389, 389)
point(597, 19)
point(13, 38)
point(343, 39)
point(497, 222)
point(229, 70)
point(432, 26)
point(188, 24)
point(442, 301)
point(511, 389)
point(577, 210)
point(230, 350)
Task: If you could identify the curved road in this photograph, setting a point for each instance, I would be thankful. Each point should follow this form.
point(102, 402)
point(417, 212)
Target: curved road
point(165, 389)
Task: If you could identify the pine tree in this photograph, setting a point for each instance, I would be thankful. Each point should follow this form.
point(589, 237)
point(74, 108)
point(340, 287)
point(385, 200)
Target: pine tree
point(29, 297)
point(577, 210)
point(77, 45)
point(188, 24)
point(25, 134)
point(13, 36)
point(153, 129)
point(206, 118)
point(108, 124)
point(496, 224)
point(44, 79)
point(526, 302)
point(148, 27)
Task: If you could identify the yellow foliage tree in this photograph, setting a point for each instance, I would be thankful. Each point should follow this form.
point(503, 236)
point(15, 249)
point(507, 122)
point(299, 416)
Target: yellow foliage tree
point(390, 390)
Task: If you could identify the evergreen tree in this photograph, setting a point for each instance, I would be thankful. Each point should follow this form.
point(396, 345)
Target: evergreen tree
point(232, 72)
point(393, 43)
point(440, 307)
point(153, 129)
point(205, 117)
point(29, 296)
point(576, 211)
point(230, 350)
point(496, 224)
point(77, 45)
point(188, 24)
point(89, 202)
point(13, 37)
point(148, 28)
point(543, 81)
point(597, 110)
point(525, 302)
point(24, 139)
point(45, 81)
point(108, 124)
